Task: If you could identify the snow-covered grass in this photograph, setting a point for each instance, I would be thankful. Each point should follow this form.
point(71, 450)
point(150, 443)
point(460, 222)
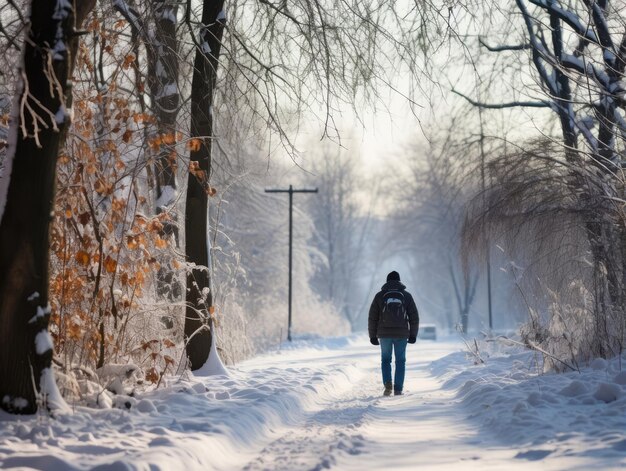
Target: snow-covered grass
point(317, 404)
point(573, 414)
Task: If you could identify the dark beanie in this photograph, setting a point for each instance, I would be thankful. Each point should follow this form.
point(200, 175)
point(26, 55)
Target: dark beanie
point(393, 276)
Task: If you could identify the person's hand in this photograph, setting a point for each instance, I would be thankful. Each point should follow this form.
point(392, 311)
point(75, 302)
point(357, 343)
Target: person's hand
point(374, 341)
point(412, 339)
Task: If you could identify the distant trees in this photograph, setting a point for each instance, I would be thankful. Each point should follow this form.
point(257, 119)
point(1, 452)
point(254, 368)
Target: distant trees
point(342, 227)
point(427, 218)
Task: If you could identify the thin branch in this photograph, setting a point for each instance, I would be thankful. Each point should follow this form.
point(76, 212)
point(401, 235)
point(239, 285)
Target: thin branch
point(511, 104)
point(517, 47)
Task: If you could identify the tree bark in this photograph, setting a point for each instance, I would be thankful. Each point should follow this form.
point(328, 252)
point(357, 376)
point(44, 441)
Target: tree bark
point(198, 295)
point(39, 123)
point(163, 69)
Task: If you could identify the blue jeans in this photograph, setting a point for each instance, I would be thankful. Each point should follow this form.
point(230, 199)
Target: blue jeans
point(399, 347)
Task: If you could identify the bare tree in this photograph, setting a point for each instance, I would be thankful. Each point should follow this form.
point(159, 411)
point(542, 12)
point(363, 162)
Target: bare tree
point(577, 52)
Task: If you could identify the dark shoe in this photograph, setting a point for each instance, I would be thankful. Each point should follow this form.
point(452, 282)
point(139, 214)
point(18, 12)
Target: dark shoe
point(387, 391)
point(397, 392)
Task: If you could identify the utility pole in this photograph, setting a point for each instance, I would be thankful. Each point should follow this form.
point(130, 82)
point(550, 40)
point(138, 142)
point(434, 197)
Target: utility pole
point(291, 191)
point(487, 245)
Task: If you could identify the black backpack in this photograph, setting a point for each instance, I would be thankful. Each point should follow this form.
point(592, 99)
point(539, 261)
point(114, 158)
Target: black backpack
point(394, 310)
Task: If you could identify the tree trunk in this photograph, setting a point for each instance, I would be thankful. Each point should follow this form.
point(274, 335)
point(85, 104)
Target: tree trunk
point(199, 296)
point(165, 99)
point(28, 185)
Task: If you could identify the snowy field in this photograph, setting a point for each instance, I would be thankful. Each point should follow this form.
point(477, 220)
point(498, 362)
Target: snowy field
point(317, 405)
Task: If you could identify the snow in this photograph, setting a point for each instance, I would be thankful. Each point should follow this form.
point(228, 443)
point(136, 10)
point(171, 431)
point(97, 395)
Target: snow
point(168, 14)
point(61, 115)
point(114, 370)
point(15, 403)
point(43, 342)
point(7, 164)
point(54, 402)
point(62, 11)
point(608, 56)
point(317, 404)
point(213, 365)
point(167, 196)
point(41, 312)
point(168, 90)
point(608, 392)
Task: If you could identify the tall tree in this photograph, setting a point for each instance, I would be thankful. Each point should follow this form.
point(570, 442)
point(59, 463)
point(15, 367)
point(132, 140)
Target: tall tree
point(198, 296)
point(39, 119)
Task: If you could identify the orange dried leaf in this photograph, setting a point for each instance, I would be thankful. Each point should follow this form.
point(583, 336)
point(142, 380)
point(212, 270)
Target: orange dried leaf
point(138, 117)
point(152, 375)
point(155, 225)
point(141, 220)
point(82, 257)
point(155, 143)
point(110, 265)
point(169, 139)
point(75, 331)
point(100, 186)
point(194, 145)
point(128, 61)
point(132, 242)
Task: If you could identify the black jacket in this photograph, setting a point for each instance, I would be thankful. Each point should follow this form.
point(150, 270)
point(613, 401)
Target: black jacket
point(376, 329)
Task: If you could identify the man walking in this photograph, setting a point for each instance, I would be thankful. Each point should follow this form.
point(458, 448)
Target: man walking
point(393, 320)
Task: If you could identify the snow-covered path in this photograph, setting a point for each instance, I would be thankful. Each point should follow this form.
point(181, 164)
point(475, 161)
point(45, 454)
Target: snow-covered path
point(317, 405)
point(357, 428)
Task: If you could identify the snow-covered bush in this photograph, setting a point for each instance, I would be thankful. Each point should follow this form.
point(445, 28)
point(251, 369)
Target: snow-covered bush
point(565, 253)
